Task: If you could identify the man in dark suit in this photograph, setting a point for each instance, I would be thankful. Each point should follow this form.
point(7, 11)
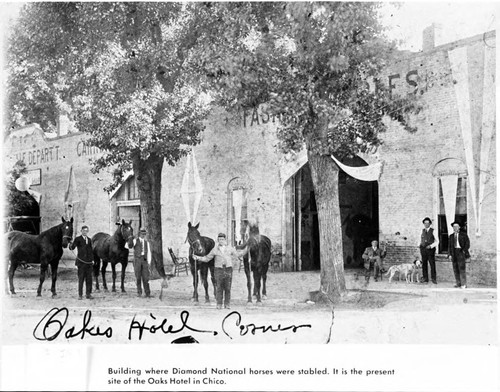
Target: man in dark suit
point(428, 244)
point(84, 262)
point(458, 250)
point(142, 259)
point(373, 256)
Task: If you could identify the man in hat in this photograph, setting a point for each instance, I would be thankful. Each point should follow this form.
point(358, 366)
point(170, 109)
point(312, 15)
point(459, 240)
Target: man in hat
point(84, 262)
point(142, 259)
point(458, 250)
point(428, 245)
point(226, 257)
point(373, 257)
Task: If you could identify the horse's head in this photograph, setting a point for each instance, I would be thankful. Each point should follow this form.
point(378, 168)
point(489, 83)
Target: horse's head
point(126, 230)
point(67, 231)
point(252, 234)
point(194, 239)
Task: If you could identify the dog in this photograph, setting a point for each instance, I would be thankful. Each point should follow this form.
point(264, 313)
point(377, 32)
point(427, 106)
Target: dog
point(409, 271)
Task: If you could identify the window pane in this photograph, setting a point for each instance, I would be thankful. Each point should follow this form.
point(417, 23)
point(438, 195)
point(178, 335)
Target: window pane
point(441, 200)
point(462, 187)
point(443, 234)
point(461, 196)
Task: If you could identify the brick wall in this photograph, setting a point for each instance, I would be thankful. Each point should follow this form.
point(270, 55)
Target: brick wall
point(228, 150)
point(407, 187)
point(245, 146)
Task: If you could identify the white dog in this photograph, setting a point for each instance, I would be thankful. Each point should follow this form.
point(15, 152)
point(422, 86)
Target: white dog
point(407, 270)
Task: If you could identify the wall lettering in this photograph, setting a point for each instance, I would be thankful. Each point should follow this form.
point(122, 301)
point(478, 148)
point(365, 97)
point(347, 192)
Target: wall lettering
point(39, 155)
point(83, 149)
point(254, 116)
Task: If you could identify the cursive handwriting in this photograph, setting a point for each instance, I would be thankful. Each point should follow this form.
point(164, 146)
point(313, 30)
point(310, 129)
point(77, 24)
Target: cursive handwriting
point(234, 319)
point(163, 326)
point(55, 324)
point(52, 324)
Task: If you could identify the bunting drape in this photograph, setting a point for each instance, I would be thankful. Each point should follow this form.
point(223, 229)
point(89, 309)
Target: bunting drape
point(449, 188)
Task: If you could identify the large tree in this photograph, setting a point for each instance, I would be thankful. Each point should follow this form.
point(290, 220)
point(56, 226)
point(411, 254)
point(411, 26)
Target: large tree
point(116, 70)
point(131, 75)
point(309, 63)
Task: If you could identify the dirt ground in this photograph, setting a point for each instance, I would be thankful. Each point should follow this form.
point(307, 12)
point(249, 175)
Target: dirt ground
point(380, 312)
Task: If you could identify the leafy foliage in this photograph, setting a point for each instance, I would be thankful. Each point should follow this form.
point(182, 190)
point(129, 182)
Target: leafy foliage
point(17, 201)
point(115, 68)
point(309, 62)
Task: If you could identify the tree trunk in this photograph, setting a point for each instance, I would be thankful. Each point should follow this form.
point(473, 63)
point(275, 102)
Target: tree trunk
point(148, 175)
point(325, 175)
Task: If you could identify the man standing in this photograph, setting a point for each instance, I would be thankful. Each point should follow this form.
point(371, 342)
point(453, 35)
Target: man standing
point(458, 250)
point(226, 257)
point(373, 256)
point(142, 259)
point(428, 244)
point(84, 261)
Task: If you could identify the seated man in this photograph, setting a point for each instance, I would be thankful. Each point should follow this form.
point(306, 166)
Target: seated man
point(373, 256)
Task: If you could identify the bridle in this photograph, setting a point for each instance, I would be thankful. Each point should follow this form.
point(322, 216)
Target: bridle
point(193, 242)
point(127, 238)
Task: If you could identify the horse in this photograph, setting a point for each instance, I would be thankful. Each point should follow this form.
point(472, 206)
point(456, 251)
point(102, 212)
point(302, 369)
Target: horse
point(111, 249)
point(259, 249)
point(200, 246)
point(44, 249)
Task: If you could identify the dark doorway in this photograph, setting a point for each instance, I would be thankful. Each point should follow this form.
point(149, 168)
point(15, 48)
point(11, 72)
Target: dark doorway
point(308, 227)
point(358, 211)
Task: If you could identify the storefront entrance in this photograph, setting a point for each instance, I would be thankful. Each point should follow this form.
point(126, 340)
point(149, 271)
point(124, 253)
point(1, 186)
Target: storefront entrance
point(358, 210)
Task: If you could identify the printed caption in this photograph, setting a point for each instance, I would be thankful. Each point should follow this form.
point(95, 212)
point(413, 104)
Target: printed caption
point(218, 376)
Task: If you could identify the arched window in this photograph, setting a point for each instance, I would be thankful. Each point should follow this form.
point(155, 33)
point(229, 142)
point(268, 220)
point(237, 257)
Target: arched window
point(238, 189)
point(451, 177)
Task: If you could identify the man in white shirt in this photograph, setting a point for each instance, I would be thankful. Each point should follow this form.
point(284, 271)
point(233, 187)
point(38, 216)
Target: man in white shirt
point(226, 257)
point(142, 259)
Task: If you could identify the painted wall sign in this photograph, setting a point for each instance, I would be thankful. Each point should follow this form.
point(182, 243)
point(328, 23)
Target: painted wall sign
point(38, 156)
point(259, 116)
point(35, 176)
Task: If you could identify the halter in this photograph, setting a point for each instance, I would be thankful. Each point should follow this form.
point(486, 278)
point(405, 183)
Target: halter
point(121, 232)
point(191, 243)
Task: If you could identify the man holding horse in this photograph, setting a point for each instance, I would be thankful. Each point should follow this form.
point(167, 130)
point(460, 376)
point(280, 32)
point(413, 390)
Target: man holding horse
point(226, 257)
point(142, 259)
point(84, 261)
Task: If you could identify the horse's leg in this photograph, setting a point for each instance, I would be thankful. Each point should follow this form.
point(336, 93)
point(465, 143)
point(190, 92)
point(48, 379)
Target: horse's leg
point(54, 266)
point(194, 273)
point(96, 267)
point(113, 275)
point(246, 266)
point(204, 280)
point(43, 271)
point(264, 279)
point(12, 269)
point(124, 268)
point(256, 283)
point(103, 273)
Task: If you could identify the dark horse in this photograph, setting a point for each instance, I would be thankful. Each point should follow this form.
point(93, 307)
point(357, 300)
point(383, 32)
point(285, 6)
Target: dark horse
point(111, 249)
point(259, 249)
point(44, 249)
point(200, 246)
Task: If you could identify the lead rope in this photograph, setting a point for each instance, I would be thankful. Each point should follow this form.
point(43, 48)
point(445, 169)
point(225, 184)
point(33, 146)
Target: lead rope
point(83, 261)
point(77, 258)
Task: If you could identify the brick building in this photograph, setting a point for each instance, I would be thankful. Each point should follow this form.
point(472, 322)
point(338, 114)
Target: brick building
point(445, 170)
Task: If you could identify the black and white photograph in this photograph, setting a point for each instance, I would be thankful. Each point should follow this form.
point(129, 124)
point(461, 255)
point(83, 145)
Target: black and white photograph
point(302, 195)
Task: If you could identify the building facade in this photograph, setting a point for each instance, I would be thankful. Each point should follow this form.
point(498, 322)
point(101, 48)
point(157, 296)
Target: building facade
point(446, 170)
